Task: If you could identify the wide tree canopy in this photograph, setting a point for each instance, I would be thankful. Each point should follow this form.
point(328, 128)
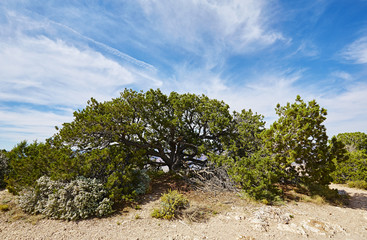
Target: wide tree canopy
point(174, 130)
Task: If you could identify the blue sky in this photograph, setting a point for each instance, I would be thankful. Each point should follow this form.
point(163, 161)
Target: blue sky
point(55, 55)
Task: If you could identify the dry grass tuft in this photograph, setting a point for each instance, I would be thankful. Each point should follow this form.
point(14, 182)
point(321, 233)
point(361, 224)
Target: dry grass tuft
point(198, 214)
point(11, 212)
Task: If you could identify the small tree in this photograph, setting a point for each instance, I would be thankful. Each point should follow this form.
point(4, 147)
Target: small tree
point(299, 144)
point(27, 163)
point(355, 167)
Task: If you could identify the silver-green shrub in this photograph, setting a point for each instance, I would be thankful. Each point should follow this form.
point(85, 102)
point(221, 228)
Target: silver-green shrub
point(77, 199)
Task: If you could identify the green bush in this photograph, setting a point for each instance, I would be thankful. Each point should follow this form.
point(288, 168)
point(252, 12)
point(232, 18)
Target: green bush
point(118, 169)
point(29, 162)
point(357, 184)
point(245, 160)
point(77, 199)
point(353, 169)
point(4, 207)
point(256, 174)
point(170, 205)
point(299, 144)
point(353, 141)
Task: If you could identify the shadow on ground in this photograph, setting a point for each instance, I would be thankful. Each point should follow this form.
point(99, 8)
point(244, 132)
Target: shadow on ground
point(358, 201)
point(357, 197)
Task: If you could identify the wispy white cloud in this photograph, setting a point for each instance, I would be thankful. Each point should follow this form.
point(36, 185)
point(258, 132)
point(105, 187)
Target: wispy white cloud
point(19, 124)
point(109, 49)
point(308, 49)
point(36, 68)
point(45, 72)
point(260, 93)
point(60, 54)
point(356, 51)
point(347, 112)
point(233, 25)
point(54, 73)
point(342, 75)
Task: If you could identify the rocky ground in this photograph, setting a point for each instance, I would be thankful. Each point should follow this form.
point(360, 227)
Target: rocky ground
point(211, 216)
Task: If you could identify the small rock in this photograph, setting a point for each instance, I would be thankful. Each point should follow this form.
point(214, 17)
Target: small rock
point(237, 218)
point(292, 228)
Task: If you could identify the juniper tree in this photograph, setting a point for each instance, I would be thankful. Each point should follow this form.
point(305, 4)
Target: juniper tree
point(299, 144)
point(176, 129)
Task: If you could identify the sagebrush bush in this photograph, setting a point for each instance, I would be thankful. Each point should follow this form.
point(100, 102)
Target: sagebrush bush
point(78, 199)
point(170, 204)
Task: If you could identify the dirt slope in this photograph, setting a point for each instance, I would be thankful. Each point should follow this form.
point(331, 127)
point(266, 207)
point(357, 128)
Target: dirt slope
point(231, 218)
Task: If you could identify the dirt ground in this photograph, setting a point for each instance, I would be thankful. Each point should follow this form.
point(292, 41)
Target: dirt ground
point(210, 216)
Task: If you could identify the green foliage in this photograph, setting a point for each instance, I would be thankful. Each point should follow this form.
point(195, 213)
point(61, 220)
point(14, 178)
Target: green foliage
point(257, 176)
point(178, 128)
point(116, 168)
point(353, 141)
point(362, 184)
point(77, 199)
point(170, 205)
point(353, 169)
point(299, 144)
point(245, 137)
point(28, 162)
point(4, 207)
point(247, 164)
point(4, 167)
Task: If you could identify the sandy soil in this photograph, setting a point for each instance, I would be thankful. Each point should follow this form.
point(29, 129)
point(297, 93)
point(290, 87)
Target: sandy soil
point(230, 218)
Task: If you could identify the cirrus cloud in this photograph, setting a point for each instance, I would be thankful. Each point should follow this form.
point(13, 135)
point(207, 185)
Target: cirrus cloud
point(356, 51)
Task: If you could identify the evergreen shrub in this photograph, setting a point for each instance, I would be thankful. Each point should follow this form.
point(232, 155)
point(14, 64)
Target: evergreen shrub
point(354, 169)
point(116, 168)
